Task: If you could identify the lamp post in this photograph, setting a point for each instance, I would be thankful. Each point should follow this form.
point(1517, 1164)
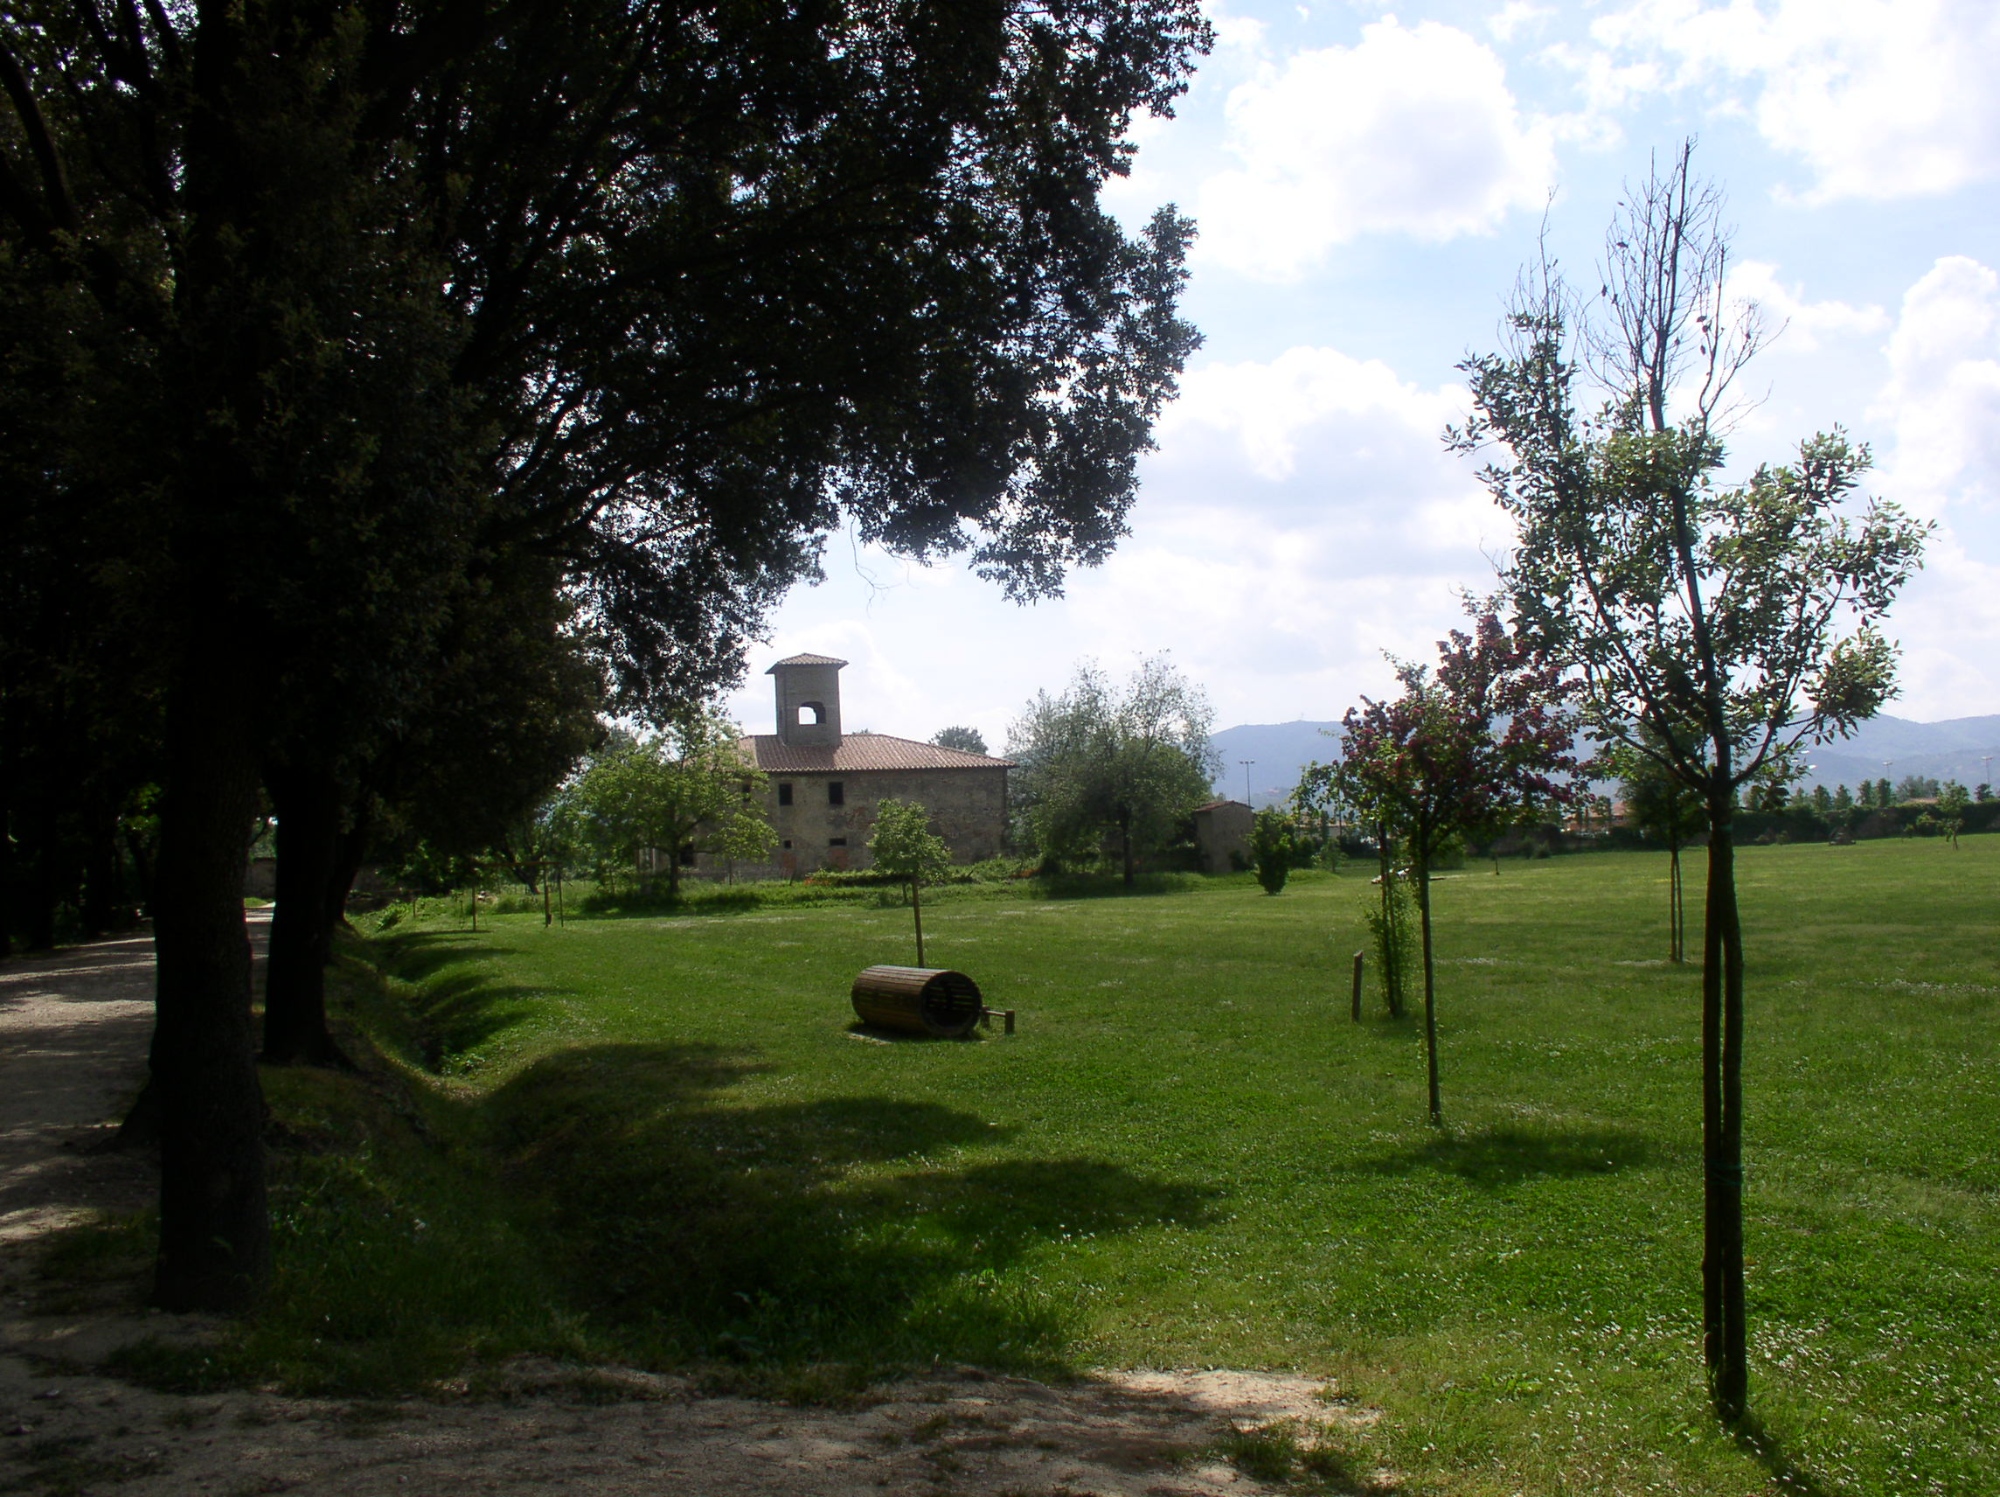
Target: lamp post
point(1246, 763)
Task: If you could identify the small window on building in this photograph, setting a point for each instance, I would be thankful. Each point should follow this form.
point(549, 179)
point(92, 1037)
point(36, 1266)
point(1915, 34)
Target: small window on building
point(788, 844)
point(687, 856)
point(836, 842)
point(785, 796)
point(836, 793)
point(817, 709)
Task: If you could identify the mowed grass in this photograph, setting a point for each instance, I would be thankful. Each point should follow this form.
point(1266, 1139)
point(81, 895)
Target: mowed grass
point(660, 1139)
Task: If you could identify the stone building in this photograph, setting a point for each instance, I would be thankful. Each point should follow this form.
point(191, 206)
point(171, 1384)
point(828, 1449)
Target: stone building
point(825, 783)
point(1222, 828)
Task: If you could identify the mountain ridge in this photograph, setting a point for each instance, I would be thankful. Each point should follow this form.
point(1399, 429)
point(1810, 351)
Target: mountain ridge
point(1955, 748)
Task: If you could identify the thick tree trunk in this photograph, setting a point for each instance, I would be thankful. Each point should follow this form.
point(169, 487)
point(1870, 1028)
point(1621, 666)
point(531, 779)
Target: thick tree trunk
point(102, 881)
point(10, 814)
point(1430, 983)
point(307, 800)
point(215, 1249)
point(40, 845)
point(348, 854)
point(1723, 1312)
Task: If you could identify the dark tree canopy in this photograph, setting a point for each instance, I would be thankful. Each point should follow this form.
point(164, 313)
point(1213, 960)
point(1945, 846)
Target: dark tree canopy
point(385, 297)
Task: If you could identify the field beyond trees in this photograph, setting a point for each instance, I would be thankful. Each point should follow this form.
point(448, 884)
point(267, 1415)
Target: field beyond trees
point(659, 1140)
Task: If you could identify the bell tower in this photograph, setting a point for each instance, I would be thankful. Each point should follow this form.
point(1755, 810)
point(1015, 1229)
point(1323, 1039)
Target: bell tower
point(808, 700)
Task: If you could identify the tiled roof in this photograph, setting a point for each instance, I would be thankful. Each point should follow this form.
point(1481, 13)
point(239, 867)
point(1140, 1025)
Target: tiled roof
point(1217, 805)
point(806, 660)
point(858, 751)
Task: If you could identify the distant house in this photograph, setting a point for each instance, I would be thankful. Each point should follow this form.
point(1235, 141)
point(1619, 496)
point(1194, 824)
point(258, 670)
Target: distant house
point(825, 784)
point(1222, 835)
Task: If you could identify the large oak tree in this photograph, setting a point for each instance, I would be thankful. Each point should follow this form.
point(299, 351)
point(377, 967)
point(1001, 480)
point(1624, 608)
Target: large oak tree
point(660, 291)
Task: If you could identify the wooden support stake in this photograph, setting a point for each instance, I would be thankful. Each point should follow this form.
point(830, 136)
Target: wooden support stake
point(1357, 987)
point(1008, 1016)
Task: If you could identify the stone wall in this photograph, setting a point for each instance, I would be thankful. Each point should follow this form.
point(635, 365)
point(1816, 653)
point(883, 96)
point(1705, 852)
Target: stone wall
point(1221, 829)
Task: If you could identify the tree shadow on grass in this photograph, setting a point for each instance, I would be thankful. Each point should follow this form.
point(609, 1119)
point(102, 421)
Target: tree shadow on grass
point(688, 1228)
point(1769, 1451)
point(1497, 1158)
point(458, 1004)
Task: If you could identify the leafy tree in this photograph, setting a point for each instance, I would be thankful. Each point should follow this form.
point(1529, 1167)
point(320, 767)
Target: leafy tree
point(657, 291)
point(1711, 626)
point(1391, 916)
point(965, 740)
point(1661, 805)
point(1275, 848)
point(1843, 800)
point(1916, 787)
point(1949, 812)
point(904, 846)
point(1438, 764)
point(1101, 761)
point(688, 789)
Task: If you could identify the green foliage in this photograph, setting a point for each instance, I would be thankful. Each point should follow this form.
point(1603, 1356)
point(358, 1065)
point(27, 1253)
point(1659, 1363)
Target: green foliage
point(688, 789)
point(903, 844)
point(1395, 941)
point(1099, 762)
point(965, 740)
point(1276, 848)
point(1947, 818)
point(1916, 787)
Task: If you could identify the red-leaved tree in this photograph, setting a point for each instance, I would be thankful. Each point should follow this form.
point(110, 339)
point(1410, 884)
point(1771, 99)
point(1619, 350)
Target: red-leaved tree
point(1484, 743)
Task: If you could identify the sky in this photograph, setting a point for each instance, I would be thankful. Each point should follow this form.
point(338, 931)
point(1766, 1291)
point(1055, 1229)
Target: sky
point(1367, 182)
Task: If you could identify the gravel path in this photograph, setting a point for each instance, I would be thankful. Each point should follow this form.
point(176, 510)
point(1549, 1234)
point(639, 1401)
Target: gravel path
point(73, 1033)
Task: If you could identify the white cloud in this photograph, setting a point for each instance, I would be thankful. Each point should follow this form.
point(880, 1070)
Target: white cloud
point(1299, 518)
point(1942, 402)
point(1880, 98)
point(1943, 394)
point(1805, 323)
point(1411, 131)
point(1517, 16)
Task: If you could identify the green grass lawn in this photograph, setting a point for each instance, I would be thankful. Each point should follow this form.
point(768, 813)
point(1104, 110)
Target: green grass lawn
point(658, 1139)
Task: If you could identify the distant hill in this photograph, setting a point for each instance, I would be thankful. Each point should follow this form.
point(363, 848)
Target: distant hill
point(1280, 752)
point(1949, 750)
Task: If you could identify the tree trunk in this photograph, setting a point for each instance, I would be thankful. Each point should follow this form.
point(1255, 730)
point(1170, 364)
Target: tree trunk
point(307, 800)
point(1125, 838)
point(348, 853)
point(41, 860)
point(1724, 1330)
point(1676, 909)
point(9, 814)
point(215, 1247)
point(1430, 985)
point(1392, 949)
point(917, 909)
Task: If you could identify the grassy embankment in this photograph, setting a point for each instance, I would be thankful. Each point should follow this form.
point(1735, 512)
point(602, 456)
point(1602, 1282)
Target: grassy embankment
point(656, 1139)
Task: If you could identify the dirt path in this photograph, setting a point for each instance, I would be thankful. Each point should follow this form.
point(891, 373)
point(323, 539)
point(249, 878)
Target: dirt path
point(73, 1032)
